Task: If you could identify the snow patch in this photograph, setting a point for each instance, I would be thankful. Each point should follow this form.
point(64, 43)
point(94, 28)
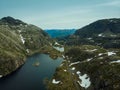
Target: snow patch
point(78, 72)
point(19, 31)
point(65, 70)
point(55, 82)
point(100, 35)
point(100, 58)
point(118, 61)
point(85, 80)
point(1, 76)
point(26, 25)
point(100, 54)
point(61, 65)
point(61, 49)
point(27, 50)
point(22, 39)
point(89, 59)
point(79, 83)
point(56, 43)
point(63, 56)
point(113, 35)
point(73, 68)
point(111, 53)
point(50, 43)
point(74, 63)
point(92, 50)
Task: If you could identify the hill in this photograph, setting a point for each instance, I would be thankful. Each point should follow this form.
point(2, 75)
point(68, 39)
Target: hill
point(105, 33)
point(17, 40)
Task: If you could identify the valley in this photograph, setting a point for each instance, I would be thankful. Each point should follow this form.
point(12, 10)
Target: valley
point(91, 58)
point(83, 59)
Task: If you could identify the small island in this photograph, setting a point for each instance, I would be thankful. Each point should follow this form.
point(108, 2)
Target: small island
point(36, 64)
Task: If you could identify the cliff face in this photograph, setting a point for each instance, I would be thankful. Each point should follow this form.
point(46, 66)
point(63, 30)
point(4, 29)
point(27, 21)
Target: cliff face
point(18, 39)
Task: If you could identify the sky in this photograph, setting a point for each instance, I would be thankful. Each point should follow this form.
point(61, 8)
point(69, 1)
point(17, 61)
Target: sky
point(60, 14)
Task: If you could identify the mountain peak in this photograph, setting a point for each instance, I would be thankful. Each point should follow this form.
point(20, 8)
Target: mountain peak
point(100, 26)
point(12, 21)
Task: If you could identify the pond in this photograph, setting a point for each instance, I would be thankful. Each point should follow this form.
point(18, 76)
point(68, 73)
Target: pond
point(30, 77)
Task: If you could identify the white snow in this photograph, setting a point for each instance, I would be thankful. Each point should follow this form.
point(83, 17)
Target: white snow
point(73, 68)
point(63, 56)
point(118, 61)
point(1, 76)
point(100, 35)
point(69, 61)
point(26, 25)
point(27, 50)
point(89, 59)
point(78, 72)
point(20, 24)
point(91, 50)
point(61, 64)
point(22, 39)
point(19, 31)
point(55, 82)
point(85, 80)
point(56, 43)
point(111, 53)
point(113, 35)
point(65, 70)
point(61, 49)
point(100, 58)
point(74, 63)
point(100, 54)
point(79, 83)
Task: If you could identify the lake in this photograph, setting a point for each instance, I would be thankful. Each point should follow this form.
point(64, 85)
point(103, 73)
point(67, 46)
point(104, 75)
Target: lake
point(30, 77)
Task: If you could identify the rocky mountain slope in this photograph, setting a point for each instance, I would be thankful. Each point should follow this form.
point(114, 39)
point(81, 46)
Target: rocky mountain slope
point(87, 67)
point(91, 59)
point(17, 40)
point(100, 26)
point(104, 33)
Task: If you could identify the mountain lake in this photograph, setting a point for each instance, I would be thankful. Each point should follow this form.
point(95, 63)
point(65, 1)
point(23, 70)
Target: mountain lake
point(29, 76)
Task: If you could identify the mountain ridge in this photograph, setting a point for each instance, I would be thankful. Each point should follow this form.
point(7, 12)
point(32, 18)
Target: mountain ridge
point(105, 33)
point(17, 41)
point(112, 24)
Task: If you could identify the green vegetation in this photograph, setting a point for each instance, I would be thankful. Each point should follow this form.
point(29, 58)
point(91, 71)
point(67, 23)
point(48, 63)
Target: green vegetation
point(104, 33)
point(67, 80)
point(104, 75)
point(86, 47)
point(17, 40)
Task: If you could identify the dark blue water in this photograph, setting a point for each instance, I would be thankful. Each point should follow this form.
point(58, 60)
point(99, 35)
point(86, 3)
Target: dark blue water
point(29, 77)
